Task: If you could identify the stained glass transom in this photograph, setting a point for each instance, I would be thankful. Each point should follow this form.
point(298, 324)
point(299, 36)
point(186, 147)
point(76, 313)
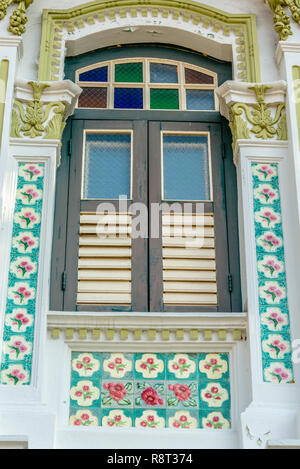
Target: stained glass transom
point(181, 391)
point(147, 83)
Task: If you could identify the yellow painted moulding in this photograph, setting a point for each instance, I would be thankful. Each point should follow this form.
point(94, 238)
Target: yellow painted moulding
point(4, 67)
point(54, 20)
point(296, 80)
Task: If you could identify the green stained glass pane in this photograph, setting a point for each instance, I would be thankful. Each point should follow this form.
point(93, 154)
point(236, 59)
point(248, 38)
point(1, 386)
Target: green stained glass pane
point(129, 72)
point(164, 99)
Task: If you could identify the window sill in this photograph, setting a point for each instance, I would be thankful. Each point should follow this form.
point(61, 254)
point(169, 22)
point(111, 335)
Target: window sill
point(148, 327)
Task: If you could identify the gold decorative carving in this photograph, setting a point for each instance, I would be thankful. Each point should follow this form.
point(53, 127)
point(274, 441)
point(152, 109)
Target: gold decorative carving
point(282, 22)
point(18, 18)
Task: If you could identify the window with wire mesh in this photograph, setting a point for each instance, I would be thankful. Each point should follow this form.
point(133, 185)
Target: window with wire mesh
point(147, 83)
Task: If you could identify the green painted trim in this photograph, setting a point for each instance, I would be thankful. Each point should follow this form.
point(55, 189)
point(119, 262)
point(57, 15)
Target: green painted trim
point(54, 20)
point(4, 67)
point(296, 83)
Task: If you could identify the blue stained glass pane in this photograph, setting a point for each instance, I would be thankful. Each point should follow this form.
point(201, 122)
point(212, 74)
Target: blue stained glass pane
point(186, 167)
point(97, 74)
point(107, 166)
point(200, 100)
point(163, 73)
point(128, 98)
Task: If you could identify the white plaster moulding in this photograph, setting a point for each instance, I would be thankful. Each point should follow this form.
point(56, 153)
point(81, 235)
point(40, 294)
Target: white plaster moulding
point(79, 330)
point(253, 148)
point(284, 47)
point(283, 444)
point(83, 40)
point(232, 92)
point(27, 144)
point(64, 91)
point(13, 41)
point(150, 320)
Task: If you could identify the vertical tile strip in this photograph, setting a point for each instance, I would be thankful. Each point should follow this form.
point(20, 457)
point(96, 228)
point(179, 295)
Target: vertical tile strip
point(4, 66)
point(272, 284)
point(19, 318)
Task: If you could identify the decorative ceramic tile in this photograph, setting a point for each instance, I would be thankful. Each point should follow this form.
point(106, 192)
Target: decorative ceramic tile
point(272, 285)
point(215, 420)
point(19, 317)
point(110, 389)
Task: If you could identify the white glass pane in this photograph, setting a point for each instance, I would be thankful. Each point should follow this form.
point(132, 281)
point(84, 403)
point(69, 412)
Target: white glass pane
point(186, 167)
point(107, 165)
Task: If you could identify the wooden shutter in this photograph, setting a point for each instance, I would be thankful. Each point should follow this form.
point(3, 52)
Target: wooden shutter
point(104, 265)
point(189, 272)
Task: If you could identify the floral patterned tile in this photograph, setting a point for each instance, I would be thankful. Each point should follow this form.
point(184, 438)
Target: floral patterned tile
point(274, 318)
point(278, 372)
point(118, 365)
point(265, 172)
point(85, 365)
point(276, 346)
point(213, 366)
point(269, 241)
point(15, 374)
point(271, 266)
point(182, 394)
point(149, 366)
point(214, 394)
point(117, 393)
point(266, 194)
point(183, 419)
point(117, 418)
point(181, 366)
point(272, 292)
point(80, 417)
point(214, 419)
point(150, 394)
point(85, 393)
point(150, 418)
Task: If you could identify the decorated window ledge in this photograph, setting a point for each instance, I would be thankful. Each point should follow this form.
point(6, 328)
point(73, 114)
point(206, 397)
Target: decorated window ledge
point(85, 329)
point(150, 390)
point(272, 284)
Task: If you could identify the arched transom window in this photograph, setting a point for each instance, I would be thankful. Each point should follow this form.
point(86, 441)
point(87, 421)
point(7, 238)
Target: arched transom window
point(147, 83)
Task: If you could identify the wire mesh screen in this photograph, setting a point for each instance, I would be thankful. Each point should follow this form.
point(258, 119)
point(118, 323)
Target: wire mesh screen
point(186, 167)
point(196, 77)
point(93, 98)
point(163, 73)
point(107, 163)
point(129, 72)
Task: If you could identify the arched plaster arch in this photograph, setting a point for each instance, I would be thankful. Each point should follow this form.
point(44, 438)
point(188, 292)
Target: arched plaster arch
point(190, 24)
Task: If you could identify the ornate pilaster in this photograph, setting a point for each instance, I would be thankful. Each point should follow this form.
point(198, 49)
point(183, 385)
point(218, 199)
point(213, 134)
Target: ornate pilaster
point(255, 111)
point(39, 113)
point(258, 122)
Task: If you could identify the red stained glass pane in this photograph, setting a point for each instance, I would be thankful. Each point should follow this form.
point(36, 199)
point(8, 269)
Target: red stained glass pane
point(93, 98)
point(197, 78)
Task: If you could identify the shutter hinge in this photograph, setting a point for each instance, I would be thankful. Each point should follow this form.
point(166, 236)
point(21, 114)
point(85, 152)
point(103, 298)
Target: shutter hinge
point(64, 281)
point(70, 147)
point(230, 283)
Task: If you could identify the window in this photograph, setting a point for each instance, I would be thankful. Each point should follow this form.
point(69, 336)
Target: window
point(151, 251)
point(147, 84)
